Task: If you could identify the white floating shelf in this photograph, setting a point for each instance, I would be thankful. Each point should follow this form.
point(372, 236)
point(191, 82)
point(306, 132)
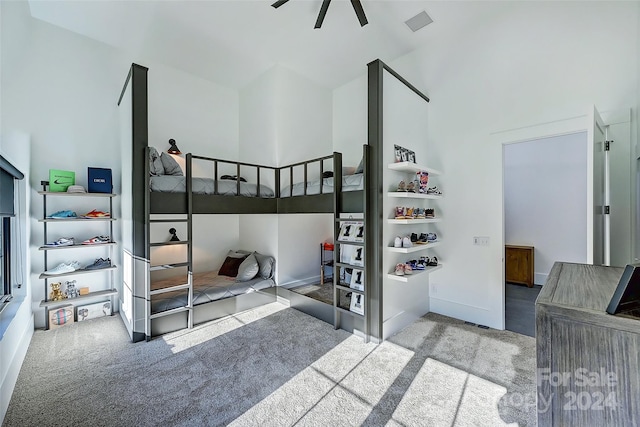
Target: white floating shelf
point(407, 195)
point(79, 299)
point(65, 194)
point(417, 274)
point(414, 248)
point(412, 167)
point(413, 221)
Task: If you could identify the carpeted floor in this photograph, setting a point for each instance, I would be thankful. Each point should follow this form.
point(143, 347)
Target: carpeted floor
point(275, 366)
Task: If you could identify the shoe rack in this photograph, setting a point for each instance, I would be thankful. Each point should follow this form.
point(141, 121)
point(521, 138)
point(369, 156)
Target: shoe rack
point(407, 171)
point(85, 254)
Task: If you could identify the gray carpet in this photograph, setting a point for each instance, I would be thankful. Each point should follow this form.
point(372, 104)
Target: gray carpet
point(276, 366)
point(520, 313)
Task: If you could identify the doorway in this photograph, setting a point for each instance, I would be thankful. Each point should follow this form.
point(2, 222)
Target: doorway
point(545, 195)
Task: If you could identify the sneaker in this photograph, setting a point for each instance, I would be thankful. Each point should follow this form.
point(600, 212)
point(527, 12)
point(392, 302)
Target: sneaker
point(64, 268)
point(420, 213)
point(63, 241)
point(63, 215)
point(397, 242)
point(399, 270)
point(429, 213)
point(96, 214)
point(97, 240)
point(400, 212)
point(98, 264)
point(434, 191)
point(411, 187)
point(409, 213)
point(431, 237)
point(414, 237)
point(402, 187)
point(406, 242)
point(433, 262)
point(407, 269)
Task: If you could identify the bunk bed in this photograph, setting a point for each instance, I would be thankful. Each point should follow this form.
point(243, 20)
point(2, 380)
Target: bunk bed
point(144, 198)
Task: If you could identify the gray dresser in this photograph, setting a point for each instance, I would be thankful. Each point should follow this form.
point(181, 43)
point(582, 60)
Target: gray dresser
point(588, 361)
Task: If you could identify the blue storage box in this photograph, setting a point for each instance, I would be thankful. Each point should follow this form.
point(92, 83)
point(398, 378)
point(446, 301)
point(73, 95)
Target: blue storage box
point(99, 180)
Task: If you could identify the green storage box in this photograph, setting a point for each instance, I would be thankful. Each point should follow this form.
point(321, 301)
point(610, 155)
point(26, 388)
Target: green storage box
point(60, 180)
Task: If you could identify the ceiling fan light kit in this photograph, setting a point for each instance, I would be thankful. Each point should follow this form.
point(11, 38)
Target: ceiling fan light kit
point(357, 7)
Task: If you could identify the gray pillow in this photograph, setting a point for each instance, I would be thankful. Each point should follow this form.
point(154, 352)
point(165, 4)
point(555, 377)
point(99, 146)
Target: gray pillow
point(171, 167)
point(359, 169)
point(155, 164)
point(266, 264)
point(248, 269)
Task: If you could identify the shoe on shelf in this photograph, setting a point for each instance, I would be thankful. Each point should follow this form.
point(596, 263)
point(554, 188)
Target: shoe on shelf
point(433, 262)
point(97, 240)
point(98, 264)
point(399, 270)
point(435, 191)
point(409, 213)
point(414, 237)
point(402, 187)
point(422, 239)
point(64, 268)
point(400, 212)
point(420, 212)
point(96, 214)
point(62, 215)
point(407, 269)
point(397, 242)
point(411, 187)
point(431, 237)
point(406, 242)
point(429, 213)
point(63, 241)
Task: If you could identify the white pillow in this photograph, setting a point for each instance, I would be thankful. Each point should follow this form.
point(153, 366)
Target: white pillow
point(171, 167)
point(248, 269)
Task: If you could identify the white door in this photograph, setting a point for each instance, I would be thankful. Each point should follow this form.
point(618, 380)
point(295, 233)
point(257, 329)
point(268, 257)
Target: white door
point(598, 251)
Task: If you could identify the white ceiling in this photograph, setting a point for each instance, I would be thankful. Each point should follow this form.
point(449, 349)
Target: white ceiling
point(233, 42)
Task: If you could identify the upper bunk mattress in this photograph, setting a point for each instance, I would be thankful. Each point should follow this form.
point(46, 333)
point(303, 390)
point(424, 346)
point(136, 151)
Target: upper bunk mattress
point(207, 287)
point(349, 183)
point(178, 184)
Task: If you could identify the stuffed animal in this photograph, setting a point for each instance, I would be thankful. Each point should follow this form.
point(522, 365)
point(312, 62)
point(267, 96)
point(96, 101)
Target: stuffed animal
point(71, 290)
point(56, 294)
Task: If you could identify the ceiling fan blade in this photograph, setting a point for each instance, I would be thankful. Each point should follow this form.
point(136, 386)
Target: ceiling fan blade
point(323, 13)
point(357, 6)
point(279, 3)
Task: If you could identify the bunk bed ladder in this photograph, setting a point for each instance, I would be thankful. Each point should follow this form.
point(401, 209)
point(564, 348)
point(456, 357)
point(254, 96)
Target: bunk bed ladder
point(188, 307)
point(369, 268)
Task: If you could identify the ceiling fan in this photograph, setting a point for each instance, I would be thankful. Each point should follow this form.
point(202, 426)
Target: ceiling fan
point(357, 6)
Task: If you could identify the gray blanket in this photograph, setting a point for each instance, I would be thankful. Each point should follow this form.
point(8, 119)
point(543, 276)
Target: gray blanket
point(349, 183)
point(177, 184)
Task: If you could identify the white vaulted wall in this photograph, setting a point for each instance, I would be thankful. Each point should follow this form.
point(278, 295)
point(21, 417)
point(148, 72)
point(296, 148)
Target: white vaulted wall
point(286, 118)
point(531, 64)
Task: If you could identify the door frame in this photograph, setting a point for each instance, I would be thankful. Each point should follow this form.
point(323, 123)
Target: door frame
point(567, 126)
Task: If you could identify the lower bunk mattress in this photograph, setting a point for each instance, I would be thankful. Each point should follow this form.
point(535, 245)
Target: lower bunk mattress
point(178, 184)
point(349, 183)
point(207, 287)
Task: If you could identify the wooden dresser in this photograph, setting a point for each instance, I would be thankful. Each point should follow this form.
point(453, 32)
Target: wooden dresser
point(588, 361)
point(519, 264)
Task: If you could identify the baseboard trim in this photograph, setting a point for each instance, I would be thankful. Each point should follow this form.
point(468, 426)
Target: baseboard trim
point(395, 324)
point(469, 313)
point(539, 278)
point(301, 282)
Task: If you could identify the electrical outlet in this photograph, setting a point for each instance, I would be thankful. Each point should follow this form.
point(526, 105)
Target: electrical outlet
point(481, 240)
point(434, 289)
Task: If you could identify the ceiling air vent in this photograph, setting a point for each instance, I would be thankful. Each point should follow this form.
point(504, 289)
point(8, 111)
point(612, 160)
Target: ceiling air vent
point(419, 21)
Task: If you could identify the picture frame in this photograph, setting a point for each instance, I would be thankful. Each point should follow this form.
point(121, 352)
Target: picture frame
point(404, 155)
point(61, 316)
point(357, 257)
point(93, 311)
point(348, 231)
point(411, 156)
point(397, 150)
point(357, 280)
point(357, 303)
